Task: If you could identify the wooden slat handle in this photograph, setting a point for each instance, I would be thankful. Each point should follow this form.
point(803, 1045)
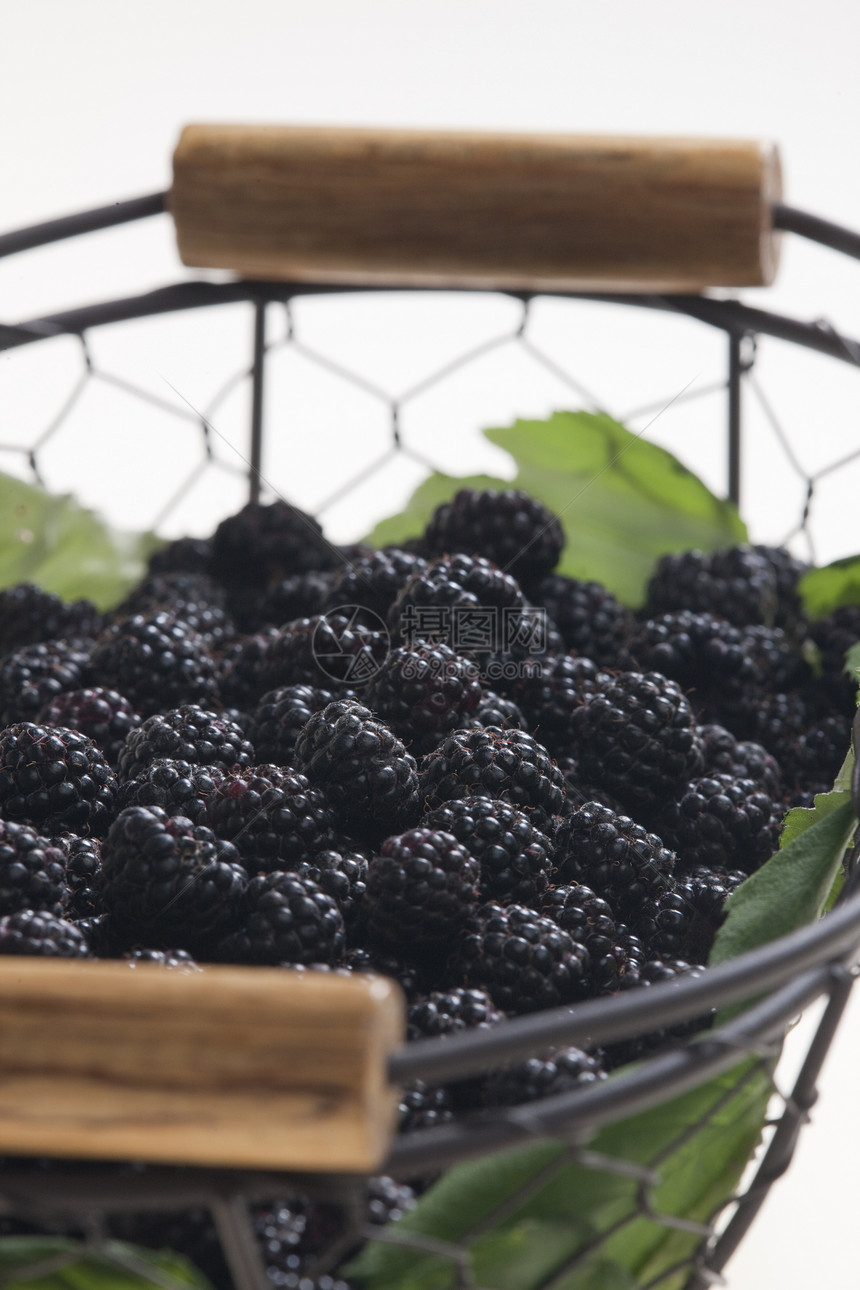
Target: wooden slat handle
point(244, 1067)
point(422, 208)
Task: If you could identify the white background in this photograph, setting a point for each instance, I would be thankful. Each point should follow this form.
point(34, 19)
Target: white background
point(92, 98)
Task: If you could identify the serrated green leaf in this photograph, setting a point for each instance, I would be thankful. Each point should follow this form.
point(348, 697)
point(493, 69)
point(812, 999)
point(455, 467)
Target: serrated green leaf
point(113, 1266)
point(622, 501)
point(65, 548)
point(823, 590)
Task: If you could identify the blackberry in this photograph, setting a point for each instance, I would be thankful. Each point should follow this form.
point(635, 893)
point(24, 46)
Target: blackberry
point(551, 696)
point(638, 739)
point(778, 659)
point(264, 543)
point(617, 858)
point(183, 555)
point(387, 1200)
point(777, 721)
point(437, 604)
point(367, 774)
point(29, 615)
point(285, 918)
point(178, 960)
point(372, 581)
point(342, 874)
point(742, 759)
point(178, 787)
point(411, 975)
point(523, 961)
point(815, 756)
point(170, 881)
point(706, 655)
point(83, 864)
point(39, 932)
point(32, 871)
point(279, 717)
point(155, 660)
point(188, 733)
point(511, 528)
point(423, 692)
point(591, 621)
point(239, 668)
point(834, 635)
point(102, 715)
point(655, 972)
point(323, 651)
point(559, 1071)
point(36, 674)
point(788, 571)
point(738, 584)
point(299, 596)
point(721, 822)
point(55, 779)
point(423, 1106)
point(590, 920)
point(194, 598)
point(515, 858)
point(447, 1012)
point(421, 888)
point(273, 817)
point(508, 765)
point(495, 710)
point(683, 922)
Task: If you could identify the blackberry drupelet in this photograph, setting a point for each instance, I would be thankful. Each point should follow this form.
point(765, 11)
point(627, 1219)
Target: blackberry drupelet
point(273, 817)
point(366, 772)
point(29, 615)
point(514, 530)
point(188, 733)
point(508, 765)
point(617, 858)
point(447, 1012)
point(742, 759)
point(168, 881)
point(38, 932)
point(55, 779)
point(102, 715)
point(421, 889)
point(424, 692)
point(157, 661)
point(372, 581)
point(591, 621)
point(737, 583)
point(720, 822)
point(277, 720)
point(36, 674)
point(178, 787)
point(32, 871)
point(284, 918)
point(523, 961)
point(327, 651)
point(515, 858)
point(638, 739)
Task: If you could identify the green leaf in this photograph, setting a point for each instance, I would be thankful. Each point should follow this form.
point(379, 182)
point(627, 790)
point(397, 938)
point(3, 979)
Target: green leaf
point(65, 548)
point(622, 501)
point(852, 663)
point(65, 1265)
point(823, 590)
point(583, 1224)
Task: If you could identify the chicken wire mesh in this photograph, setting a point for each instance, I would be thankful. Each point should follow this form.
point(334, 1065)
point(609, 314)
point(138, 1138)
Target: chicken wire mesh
point(291, 390)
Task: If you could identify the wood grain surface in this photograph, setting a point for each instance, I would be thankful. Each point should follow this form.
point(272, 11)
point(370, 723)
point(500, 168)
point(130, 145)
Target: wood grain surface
point(424, 208)
point(252, 1067)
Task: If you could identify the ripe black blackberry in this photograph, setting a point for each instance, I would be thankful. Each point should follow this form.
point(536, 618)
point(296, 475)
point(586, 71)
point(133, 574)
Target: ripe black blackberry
point(29, 615)
point(277, 721)
point(557, 689)
point(423, 1106)
point(366, 772)
point(812, 759)
point(157, 661)
point(514, 530)
point(560, 1071)
point(183, 555)
point(176, 960)
point(55, 779)
point(642, 976)
point(834, 634)
point(779, 659)
point(194, 598)
point(617, 858)
point(523, 961)
point(264, 543)
point(495, 710)
point(83, 865)
point(275, 819)
point(788, 571)
point(342, 874)
point(284, 918)
point(515, 858)
point(508, 765)
point(170, 882)
point(720, 822)
point(591, 621)
point(447, 1012)
point(740, 758)
point(35, 674)
point(682, 923)
point(32, 871)
point(638, 739)
point(102, 715)
point(39, 932)
point(738, 584)
point(301, 595)
point(437, 603)
point(178, 787)
point(591, 921)
point(372, 581)
point(421, 889)
point(413, 975)
point(188, 733)
point(327, 650)
point(239, 668)
point(423, 692)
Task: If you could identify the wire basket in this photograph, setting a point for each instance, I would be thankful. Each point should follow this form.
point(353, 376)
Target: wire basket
point(776, 982)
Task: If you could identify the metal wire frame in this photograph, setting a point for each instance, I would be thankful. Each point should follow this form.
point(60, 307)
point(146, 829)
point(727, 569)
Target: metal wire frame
point(784, 976)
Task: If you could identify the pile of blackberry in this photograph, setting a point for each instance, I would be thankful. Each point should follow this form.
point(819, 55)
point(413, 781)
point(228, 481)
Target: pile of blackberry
point(298, 755)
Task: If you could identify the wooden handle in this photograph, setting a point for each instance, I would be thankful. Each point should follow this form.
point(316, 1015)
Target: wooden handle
point(421, 208)
point(246, 1067)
